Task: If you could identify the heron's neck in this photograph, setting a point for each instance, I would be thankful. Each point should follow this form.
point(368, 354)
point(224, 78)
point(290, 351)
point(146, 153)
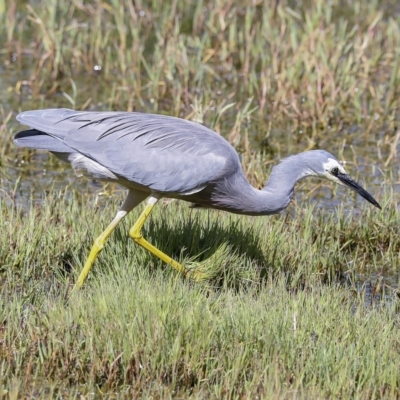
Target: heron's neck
point(280, 186)
point(238, 196)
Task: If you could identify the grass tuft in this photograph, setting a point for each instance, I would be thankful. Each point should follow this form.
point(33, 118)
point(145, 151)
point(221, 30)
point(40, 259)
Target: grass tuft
point(263, 322)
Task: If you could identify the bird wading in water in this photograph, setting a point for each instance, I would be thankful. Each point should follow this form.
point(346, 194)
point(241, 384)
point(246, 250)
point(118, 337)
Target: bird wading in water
point(156, 156)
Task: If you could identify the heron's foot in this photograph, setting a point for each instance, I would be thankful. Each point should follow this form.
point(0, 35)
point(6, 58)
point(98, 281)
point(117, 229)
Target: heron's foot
point(202, 271)
point(211, 267)
point(197, 273)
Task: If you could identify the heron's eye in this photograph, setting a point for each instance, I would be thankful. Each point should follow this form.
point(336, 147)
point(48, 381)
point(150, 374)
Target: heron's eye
point(335, 171)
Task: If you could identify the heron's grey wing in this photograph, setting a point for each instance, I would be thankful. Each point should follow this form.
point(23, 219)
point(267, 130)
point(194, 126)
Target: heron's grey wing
point(165, 154)
point(162, 153)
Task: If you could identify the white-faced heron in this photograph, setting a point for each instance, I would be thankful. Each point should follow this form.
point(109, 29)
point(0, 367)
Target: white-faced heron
point(156, 156)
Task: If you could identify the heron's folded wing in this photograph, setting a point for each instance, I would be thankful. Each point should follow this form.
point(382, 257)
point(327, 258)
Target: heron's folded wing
point(162, 153)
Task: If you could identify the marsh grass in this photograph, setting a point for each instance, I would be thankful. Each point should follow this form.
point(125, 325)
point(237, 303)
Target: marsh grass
point(265, 323)
point(283, 313)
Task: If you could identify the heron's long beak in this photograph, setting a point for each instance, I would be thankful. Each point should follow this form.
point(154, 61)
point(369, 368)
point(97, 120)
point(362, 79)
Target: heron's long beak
point(353, 185)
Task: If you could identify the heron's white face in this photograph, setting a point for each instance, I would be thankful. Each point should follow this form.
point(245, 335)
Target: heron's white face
point(331, 169)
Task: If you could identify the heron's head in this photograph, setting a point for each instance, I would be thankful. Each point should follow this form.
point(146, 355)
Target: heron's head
point(325, 165)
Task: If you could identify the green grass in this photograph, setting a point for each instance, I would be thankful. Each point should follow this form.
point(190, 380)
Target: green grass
point(278, 318)
point(302, 305)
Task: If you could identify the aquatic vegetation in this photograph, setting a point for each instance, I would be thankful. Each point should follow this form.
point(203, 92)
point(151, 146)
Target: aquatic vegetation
point(301, 305)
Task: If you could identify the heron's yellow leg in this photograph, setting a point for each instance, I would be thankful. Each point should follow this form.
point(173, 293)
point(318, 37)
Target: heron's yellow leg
point(135, 233)
point(132, 200)
point(96, 248)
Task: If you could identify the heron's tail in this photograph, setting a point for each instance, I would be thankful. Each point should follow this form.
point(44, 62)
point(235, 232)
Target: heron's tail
point(46, 133)
point(39, 140)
